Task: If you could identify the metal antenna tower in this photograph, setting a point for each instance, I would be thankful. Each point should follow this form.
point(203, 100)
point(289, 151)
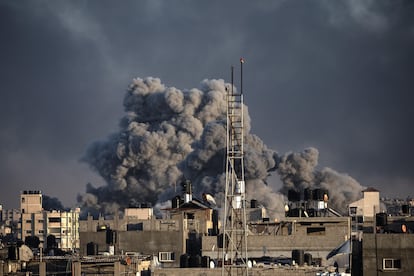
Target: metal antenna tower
point(235, 260)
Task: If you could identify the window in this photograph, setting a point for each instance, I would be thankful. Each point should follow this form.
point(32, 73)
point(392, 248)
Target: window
point(391, 264)
point(166, 256)
point(28, 221)
point(40, 221)
point(23, 199)
point(28, 231)
point(315, 231)
point(41, 231)
point(352, 210)
point(54, 219)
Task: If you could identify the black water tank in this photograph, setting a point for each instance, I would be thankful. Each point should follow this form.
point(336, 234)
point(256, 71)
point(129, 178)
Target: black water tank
point(405, 209)
point(308, 194)
point(109, 236)
point(381, 219)
point(195, 261)
point(220, 240)
point(308, 258)
point(253, 203)
point(91, 249)
point(215, 218)
point(205, 261)
point(184, 261)
point(293, 195)
point(13, 253)
point(175, 202)
point(298, 256)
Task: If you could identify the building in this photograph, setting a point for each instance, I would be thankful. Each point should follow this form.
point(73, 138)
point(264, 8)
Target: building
point(190, 232)
point(36, 222)
point(390, 250)
point(382, 244)
point(9, 224)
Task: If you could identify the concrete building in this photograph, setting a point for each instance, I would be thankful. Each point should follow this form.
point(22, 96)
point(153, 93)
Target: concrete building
point(390, 250)
point(382, 244)
point(367, 206)
point(9, 223)
point(314, 236)
point(63, 225)
point(31, 223)
point(139, 232)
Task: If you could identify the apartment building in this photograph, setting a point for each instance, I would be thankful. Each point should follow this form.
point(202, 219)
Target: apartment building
point(63, 225)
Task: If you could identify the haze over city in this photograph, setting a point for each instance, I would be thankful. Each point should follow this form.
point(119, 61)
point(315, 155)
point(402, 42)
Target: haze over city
point(335, 76)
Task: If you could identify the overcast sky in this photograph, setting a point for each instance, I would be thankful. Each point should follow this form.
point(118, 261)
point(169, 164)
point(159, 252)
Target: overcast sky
point(335, 75)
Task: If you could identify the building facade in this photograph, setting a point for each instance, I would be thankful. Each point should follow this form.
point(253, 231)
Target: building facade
point(36, 222)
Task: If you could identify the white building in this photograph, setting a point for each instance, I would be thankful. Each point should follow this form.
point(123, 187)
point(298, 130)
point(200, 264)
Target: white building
point(35, 221)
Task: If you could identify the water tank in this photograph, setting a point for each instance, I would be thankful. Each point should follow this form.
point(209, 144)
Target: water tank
point(175, 202)
point(253, 203)
point(298, 256)
point(13, 253)
point(405, 209)
point(308, 194)
point(194, 261)
point(381, 219)
point(91, 249)
point(109, 236)
point(205, 261)
point(215, 218)
point(293, 195)
point(184, 261)
point(308, 258)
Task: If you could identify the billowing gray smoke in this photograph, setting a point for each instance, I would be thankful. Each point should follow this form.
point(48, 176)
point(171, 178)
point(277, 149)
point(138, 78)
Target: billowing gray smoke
point(169, 135)
point(298, 171)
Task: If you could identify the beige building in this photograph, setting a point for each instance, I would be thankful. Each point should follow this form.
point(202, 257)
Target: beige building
point(367, 206)
point(40, 223)
point(363, 212)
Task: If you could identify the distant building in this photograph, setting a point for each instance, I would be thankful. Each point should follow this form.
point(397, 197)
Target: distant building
point(9, 223)
point(36, 222)
point(367, 206)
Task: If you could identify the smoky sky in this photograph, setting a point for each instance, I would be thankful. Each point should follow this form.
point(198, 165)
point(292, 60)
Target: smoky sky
point(331, 75)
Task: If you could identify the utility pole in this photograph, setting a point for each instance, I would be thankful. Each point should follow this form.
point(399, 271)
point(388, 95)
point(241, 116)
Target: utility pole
point(234, 258)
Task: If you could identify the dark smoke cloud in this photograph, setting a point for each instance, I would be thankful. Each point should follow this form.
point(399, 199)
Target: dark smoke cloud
point(52, 203)
point(298, 171)
point(168, 135)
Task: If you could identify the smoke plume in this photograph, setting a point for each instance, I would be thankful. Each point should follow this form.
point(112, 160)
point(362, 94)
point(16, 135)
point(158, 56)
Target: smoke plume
point(168, 135)
point(298, 171)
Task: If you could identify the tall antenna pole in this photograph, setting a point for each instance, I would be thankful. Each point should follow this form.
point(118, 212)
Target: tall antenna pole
point(234, 258)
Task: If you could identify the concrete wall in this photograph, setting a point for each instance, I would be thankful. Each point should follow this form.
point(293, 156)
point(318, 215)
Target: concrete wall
point(298, 236)
point(144, 242)
point(121, 224)
point(376, 247)
point(217, 272)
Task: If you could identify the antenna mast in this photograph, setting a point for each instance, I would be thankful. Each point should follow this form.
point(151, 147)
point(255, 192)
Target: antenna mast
point(235, 226)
